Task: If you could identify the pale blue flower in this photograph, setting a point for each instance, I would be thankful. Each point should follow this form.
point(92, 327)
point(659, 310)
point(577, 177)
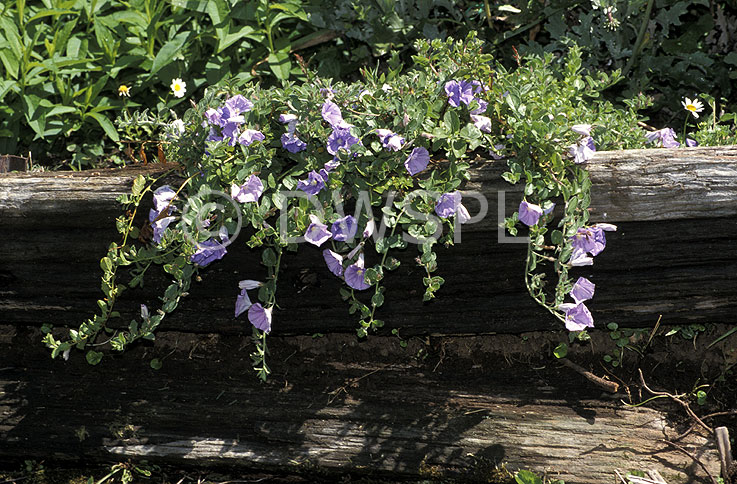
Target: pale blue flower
point(248, 136)
point(582, 290)
point(313, 185)
point(344, 228)
point(417, 160)
point(260, 317)
point(529, 213)
point(317, 232)
point(354, 275)
point(248, 192)
point(578, 317)
point(334, 262)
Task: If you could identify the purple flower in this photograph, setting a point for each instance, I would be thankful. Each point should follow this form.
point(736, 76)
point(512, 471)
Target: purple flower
point(666, 137)
point(578, 316)
point(354, 275)
point(483, 123)
point(582, 290)
point(159, 225)
point(213, 117)
point(238, 104)
point(592, 239)
point(314, 183)
point(344, 228)
point(582, 129)
point(242, 303)
point(317, 232)
point(482, 105)
point(260, 317)
point(391, 141)
point(334, 262)
point(691, 143)
point(163, 197)
point(461, 92)
point(583, 151)
point(584, 239)
point(248, 192)
point(214, 136)
point(448, 204)
point(207, 252)
point(529, 213)
point(493, 153)
point(417, 160)
point(230, 131)
point(579, 258)
point(341, 138)
point(248, 136)
point(292, 143)
point(287, 118)
point(331, 113)
point(599, 237)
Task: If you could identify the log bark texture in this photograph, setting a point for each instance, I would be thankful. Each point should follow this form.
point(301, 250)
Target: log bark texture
point(334, 406)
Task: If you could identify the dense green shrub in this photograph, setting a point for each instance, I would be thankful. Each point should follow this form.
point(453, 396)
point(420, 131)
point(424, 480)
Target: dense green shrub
point(62, 62)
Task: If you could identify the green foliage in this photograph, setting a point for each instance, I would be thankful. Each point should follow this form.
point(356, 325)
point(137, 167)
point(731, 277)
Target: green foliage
point(62, 62)
point(669, 49)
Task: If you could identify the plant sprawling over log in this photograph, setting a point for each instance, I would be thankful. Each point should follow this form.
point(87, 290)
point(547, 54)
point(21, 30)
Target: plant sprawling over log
point(283, 165)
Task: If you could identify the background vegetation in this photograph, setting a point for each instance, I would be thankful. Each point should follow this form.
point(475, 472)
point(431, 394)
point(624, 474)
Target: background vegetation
point(63, 61)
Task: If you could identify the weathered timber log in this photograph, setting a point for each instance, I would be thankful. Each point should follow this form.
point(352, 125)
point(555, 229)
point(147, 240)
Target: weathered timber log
point(674, 254)
point(333, 405)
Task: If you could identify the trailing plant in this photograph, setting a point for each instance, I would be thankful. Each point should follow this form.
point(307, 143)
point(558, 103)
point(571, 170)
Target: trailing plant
point(279, 169)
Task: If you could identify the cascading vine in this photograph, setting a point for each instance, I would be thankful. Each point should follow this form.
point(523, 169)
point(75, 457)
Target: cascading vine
point(275, 168)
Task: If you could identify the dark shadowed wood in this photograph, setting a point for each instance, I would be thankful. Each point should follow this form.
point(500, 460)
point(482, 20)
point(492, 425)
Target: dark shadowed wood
point(333, 405)
point(674, 254)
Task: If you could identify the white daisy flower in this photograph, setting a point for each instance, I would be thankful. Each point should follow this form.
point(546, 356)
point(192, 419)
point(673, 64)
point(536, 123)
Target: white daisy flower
point(695, 106)
point(178, 87)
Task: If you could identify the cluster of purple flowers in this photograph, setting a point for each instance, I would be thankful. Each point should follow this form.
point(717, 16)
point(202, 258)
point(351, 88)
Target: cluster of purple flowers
point(289, 140)
point(341, 137)
point(163, 197)
point(259, 316)
point(465, 92)
point(225, 122)
point(343, 230)
point(666, 138)
point(584, 149)
point(587, 243)
point(577, 315)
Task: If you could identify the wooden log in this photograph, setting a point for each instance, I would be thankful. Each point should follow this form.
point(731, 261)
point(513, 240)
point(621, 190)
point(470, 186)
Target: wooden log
point(334, 406)
point(674, 254)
